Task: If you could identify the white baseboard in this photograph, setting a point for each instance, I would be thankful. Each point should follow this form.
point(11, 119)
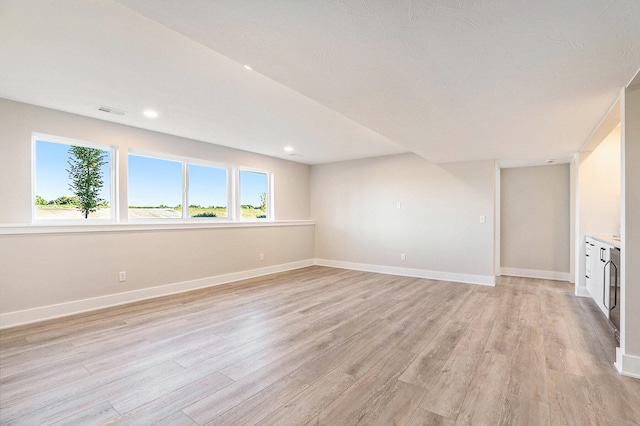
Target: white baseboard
point(536, 273)
point(410, 272)
point(12, 319)
point(627, 365)
point(582, 292)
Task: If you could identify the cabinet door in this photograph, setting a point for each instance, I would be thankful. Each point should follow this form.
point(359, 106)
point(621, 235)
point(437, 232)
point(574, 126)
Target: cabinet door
point(590, 254)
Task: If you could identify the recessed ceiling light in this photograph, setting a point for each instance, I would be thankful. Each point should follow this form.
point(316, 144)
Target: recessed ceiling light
point(151, 114)
point(248, 67)
point(288, 149)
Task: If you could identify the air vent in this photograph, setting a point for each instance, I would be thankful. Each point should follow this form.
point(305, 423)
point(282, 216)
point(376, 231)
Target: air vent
point(295, 154)
point(111, 110)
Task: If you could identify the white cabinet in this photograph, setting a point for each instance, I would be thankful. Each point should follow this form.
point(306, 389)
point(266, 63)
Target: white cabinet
point(590, 254)
point(596, 272)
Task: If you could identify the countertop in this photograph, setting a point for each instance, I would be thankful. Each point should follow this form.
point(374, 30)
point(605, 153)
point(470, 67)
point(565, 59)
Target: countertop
point(607, 239)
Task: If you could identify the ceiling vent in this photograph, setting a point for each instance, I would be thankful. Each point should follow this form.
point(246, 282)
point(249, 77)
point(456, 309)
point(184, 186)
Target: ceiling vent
point(111, 110)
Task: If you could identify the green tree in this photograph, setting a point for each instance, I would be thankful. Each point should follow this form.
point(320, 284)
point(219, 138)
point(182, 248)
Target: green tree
point(40, 201)
point(85, 176)
point(68, 201)
point(263, 201)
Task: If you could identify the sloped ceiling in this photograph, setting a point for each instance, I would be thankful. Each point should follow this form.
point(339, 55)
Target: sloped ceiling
point(451, 80)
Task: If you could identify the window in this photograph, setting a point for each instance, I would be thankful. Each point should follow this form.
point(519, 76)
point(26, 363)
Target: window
point(76, 181)
point(207, 191)
point(155, 188)
point(72, 180)
point(254, 195)
point(160, 187)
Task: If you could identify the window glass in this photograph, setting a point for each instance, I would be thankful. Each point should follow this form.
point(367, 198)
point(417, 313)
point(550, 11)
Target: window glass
point(207, 191)
point(72, 182)
point(155, 188)
point(253, 194)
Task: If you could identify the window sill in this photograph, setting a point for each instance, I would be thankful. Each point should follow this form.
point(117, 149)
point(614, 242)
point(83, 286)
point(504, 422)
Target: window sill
point(139, 226)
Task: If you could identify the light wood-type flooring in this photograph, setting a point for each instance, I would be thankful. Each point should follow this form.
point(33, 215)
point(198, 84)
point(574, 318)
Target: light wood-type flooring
point(324, 346)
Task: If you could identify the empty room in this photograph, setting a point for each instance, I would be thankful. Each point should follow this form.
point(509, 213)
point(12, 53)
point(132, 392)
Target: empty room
point(320, 212)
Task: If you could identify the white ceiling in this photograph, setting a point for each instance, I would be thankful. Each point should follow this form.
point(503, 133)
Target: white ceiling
point(451, 80)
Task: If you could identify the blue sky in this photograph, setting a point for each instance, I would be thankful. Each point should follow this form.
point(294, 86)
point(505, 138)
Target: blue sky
point(252, 185)
point(207, 186)
point(52, 179)
point(152, 182)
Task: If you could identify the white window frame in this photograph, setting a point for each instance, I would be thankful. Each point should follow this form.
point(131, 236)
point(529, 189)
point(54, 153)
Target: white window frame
point(270, 195)
point(113, 181)
point(185, 161)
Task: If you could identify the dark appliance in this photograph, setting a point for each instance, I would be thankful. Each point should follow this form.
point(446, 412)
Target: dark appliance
point(612, 272)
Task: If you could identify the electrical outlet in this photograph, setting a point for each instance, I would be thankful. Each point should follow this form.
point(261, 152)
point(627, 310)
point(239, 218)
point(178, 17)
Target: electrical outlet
point(399, 205)
point(403, 256)
point(122, 276)
point(261, 257)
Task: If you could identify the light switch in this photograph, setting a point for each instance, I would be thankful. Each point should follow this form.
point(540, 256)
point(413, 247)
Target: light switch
point(483, 219)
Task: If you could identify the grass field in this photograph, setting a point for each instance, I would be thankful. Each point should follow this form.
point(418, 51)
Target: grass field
point(68, 212)
point(193, 211)
point(71, 212)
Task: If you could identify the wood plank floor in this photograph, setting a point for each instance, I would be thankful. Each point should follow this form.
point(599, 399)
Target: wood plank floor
point(324, 346)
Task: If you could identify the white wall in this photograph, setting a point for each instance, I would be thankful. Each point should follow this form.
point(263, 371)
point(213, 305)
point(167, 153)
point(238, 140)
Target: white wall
point(358, 224)
point(535, 216)
point(45, 269)
point(600, 187)
point(599, 190)
point(628, 356)
point(39, 270)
